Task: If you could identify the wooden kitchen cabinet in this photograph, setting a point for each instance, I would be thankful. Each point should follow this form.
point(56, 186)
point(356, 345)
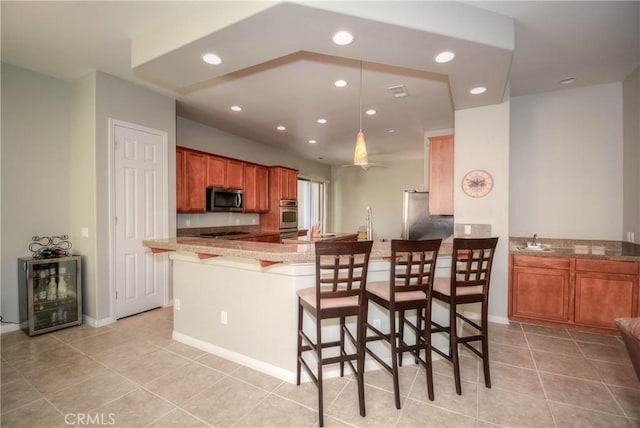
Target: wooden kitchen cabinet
point(286, 180)
point(605, 290)
point(216, 172)
point(191, 172)
point(256, 188)
point(235, 174)
point(441, 175)
point(581, 293)
point(540, 288)
point(225, 173)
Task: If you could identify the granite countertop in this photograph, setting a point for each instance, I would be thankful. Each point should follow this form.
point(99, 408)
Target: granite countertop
point(325, 237)
point(261, 251)
point(577, 248)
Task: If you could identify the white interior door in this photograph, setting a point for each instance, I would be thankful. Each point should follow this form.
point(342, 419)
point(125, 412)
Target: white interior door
point(140, 170)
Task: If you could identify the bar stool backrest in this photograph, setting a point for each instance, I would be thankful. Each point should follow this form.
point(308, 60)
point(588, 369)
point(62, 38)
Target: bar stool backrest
point(413, 264)
point(471, 263)
point(341, 269)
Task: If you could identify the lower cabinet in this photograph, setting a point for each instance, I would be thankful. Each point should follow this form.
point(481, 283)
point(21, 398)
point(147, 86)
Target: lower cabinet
point(605, 290)
point(584, 293)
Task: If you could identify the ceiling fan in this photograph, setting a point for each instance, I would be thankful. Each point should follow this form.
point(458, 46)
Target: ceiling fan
point(366, 166)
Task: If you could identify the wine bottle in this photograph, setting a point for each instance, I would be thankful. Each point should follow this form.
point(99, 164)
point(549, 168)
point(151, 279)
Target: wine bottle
point(52, 292)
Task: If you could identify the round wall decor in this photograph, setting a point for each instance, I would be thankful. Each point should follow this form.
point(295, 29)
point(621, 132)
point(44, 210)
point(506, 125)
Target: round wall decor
point(477, 183)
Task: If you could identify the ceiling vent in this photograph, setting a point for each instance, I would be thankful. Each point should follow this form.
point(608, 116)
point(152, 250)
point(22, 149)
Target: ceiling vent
point(398, 91)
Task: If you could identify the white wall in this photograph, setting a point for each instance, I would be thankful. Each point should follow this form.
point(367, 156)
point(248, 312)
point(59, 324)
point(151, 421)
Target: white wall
point(197, 136)
point(122, 100)
point(82, 184)
point(566, 174)
point(35, 169)
point(380, 188)
point(631, 157)
point(482, 142)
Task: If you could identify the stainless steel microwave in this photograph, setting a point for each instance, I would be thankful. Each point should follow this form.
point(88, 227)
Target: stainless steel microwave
point(225, 200)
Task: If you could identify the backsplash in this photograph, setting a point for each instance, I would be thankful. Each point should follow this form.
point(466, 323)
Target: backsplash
point(216, 220)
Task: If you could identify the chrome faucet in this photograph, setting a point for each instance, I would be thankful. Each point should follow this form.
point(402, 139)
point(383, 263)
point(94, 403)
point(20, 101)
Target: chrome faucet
point(369, 224)
point(533, 241)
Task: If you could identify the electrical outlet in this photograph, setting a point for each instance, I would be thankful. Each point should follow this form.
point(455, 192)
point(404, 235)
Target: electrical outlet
point(467, 229)
point(176, 304)
point(223, 318)
point(631, 236)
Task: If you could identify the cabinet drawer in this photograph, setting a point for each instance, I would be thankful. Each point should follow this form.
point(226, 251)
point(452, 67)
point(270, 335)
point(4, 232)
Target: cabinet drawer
point(607, 266)
point(541, 262)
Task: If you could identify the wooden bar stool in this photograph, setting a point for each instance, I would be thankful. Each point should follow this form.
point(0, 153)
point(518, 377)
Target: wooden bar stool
point(341, 277)
point(471, 262)
point(409, 288)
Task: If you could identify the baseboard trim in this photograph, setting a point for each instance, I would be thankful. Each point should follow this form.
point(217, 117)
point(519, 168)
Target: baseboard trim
point(8, 328)
point(86, 319)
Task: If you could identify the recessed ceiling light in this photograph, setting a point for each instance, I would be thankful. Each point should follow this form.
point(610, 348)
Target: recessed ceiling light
point(281, 128)
point(567, 81)
point(371, 112)
point(312, 141)
point(342, 38)
point(445, 56)
point(211, 58)
point(478, 90)
point(236, 108)
point(323, 121)
point(340, 83)
point(391, 131)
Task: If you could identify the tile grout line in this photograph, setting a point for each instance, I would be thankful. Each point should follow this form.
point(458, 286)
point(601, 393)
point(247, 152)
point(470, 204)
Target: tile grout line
point(606, 385)
point(544, 389)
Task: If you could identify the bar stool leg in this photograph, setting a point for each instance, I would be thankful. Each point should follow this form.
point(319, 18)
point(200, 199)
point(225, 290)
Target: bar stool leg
point(453, 345)
point(298, 364)
point(361, 339)
point(485, 345)
point(393, 337)
point(319, 355)
point(342, 351)
point(427, 350)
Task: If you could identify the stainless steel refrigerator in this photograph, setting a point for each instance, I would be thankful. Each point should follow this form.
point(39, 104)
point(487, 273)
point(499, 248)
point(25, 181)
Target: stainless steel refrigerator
point(417, 223)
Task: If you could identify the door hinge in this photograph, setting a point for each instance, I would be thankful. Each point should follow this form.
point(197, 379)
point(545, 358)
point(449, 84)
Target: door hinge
point(115, 220)
point(116, 295)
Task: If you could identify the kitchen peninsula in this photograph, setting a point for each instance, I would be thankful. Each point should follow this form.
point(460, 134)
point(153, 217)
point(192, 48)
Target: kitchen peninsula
point(237, 299)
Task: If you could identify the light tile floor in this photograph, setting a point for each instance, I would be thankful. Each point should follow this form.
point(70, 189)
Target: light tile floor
point(131, 374)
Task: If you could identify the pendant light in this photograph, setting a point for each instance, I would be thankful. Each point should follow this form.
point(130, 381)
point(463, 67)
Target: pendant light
point(360, 156)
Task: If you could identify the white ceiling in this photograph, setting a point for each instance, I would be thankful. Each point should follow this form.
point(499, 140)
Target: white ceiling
point(279, 63)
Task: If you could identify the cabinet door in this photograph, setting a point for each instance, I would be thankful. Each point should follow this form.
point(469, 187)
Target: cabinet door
point(541, 293)
point(235, 174)
point(250, 195)
point(196, 172)
point(181, 181)
point(262, 189)
point(441, 175)
point(603, 297)
point(216, 172)
point(288, 184)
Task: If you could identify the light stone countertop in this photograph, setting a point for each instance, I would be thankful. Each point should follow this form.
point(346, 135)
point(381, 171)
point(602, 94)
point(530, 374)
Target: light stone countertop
point(577, 248)
point(262, 251)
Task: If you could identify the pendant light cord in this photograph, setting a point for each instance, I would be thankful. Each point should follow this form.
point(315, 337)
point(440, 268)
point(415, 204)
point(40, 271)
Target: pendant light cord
point(360, 96)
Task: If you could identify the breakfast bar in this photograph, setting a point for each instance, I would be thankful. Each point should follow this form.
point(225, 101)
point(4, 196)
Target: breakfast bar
point(237, 299)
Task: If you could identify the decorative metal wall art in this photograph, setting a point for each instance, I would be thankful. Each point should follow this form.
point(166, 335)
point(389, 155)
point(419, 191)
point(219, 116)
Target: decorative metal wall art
point(44, 247)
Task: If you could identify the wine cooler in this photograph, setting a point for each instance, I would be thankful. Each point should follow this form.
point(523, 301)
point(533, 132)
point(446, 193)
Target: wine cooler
point(50, 293)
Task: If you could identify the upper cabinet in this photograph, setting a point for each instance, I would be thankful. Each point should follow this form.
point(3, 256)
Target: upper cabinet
point(216, 172)
point(225, 173)
point(235, 174)
point(441, 175)
point(256, 188)
point(191, 178)
point(286, 181)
